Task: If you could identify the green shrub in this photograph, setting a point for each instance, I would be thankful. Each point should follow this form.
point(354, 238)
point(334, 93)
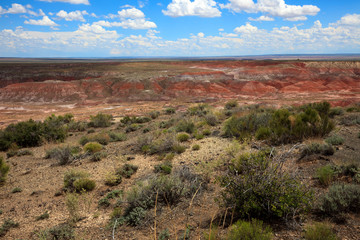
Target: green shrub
point(350, 120)
point(198, 110)
point(167, 124)
point(325, 175)
point(182, 137)
point(77, 181)
point(154, 114)
point(317, 148)
point(256, 186)
point(196, 147)
point(112, 179)
point(231, 104)
point(133, 127)
point(170, 110)
point(7, 225)
point(177, 148)
point(185, 126)
point(100, 120)
point(127, 170)
point(43, 216)
point(263, 133)
point(84, 184)
point(102, 138)
point(199, 136)
point(54, 128)
point(93, 147)
point(336, 112)
point(16, 190)
point(164, 234)
point(61, 232)
point(335, 140)
point(164, 168)
point(4, 169)
point(64, 154)
point(96, 157)
point(319, 231)
point(254, 230)
point(104, 202)
point(117, 137)
point(206, 132)
point(340, 198)
point(211, 119)
point(77, 126)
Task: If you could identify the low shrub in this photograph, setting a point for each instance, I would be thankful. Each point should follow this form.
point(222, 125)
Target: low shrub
point(263, 133)
point(104, 202)
point(43, 216)
point(325, 175)
point(255, 186)
point(231, 104)
point(167, 124)
point(198, 110)
point(4, 169)
point(112, 179)
point(319, 231)
point(154, 114)
point(182, 137)
point(340, 198)
point(61, 232)
point(117, 137)
point(206, 132)
point(77, 126)
point(196, 147)
point(93, 147)
point(64, 154)
point(96, 157)
point(185, 126)
point(164, 234)
point(317, 148)
point(335, 140)
point(350, 120)
point(7, 225)
point(164, 168)
point(77, 181)
point(127, 170)
point(199, 136)
point(337, 111)
point(170, 110)
point(254, 230)
point(100, 120)
point(177, 148)
point(16, 190)
point(102, 138)
point(211, 119)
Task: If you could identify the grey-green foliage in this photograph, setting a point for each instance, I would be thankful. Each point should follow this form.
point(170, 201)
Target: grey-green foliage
point(319, 231)
point(340, 198)
point(4, 169)
point(335, 140)
point(254, 230)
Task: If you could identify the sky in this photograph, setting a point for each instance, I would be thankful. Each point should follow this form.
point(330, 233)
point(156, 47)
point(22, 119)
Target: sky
point(179, 28)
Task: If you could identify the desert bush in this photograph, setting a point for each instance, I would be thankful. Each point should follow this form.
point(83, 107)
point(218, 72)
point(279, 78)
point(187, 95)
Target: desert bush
point(195, 147)
point(7, 225)
point(325, 175)
point(127, 170)
point(231, 104)
point(185, 126)
point(93, 147)
point(198, 110)
point(167, 124)
point(96, 157)
point(43, 216)
point(340, 198)
point(206, 132)
point(133, 127)
point(60, 232)
point(350, 170)
point(102, 138)
point(4, 169)
point(263, 133)
point(104, 202)
point(164, 168)
point(154, 114)
point(164, 234)
point(317, 148)
point(170, 110)
point(211, 119)
point(337, 111)
point(178, 148)
point(77, 181)
point(77, 126)
point(350, 120)
point(199, 136)
point(21, 152)
point(117, 137)
point(54, 128)
point(319, 231)
point(100, 120)
point(64, 154)
point(163, 144)
point(335, 140)
point(182, 137)
point(16, 190)
point(256, 186)
point(254, 230)
point(112, 179)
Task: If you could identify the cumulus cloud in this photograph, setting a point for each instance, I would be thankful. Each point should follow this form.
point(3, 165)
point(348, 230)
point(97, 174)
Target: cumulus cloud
point(248, 28)
point(17, 8)
point(20, 9)
point(350, 20)
point(131, 13)
point(72, 16)
point(86, 2)
point(200, 8)
point(45, 21)
point(262, 18)
point(275, 8)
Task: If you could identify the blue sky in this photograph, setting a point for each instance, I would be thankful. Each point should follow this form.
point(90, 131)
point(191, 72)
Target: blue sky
point(123, 28)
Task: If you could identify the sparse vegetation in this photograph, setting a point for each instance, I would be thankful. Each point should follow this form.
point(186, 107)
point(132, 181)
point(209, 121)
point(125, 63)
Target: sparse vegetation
point(182, 137)
point(195, 147)
point(170, 110)
point(16, 190)
point(231, 104)
point(78, 181)
point(100, 120)
point(4, 169)
point(317, 148)
point(164, 168)
point(254, 230)
point(335, 140)
point(127, 170)
point(93, 147)
point(325, 175)
point(43, 216)
point(7, 225)
point(319, 231)
point(64, 155)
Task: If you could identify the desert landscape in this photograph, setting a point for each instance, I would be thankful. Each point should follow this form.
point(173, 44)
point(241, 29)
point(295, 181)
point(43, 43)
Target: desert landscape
point(180, 149)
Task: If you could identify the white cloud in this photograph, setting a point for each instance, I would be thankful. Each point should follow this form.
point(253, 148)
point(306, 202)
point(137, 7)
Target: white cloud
point(86, 2)
point(248, 28)
point(201, 35)
point(17, 8)
point(45, 21)
point(200, 8)
point(72, 16)
point(262, 18)
point(350, 20)
point(131, 13)
point(139, 23)
point(275, 8)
